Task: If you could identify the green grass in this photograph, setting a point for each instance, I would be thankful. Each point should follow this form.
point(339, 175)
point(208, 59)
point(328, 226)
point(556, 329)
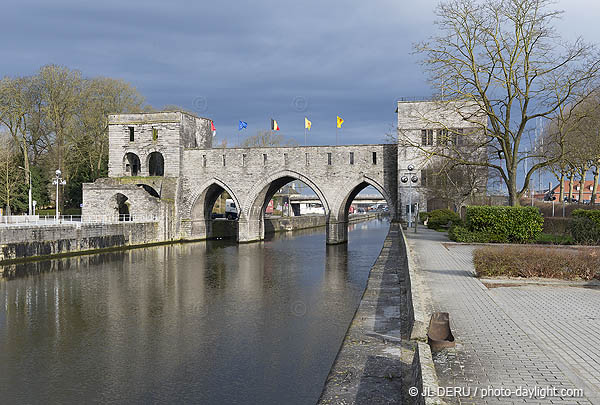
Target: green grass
point(549, 239)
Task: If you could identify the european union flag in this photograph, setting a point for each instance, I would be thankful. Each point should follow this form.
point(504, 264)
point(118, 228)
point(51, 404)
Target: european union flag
point(242, 125)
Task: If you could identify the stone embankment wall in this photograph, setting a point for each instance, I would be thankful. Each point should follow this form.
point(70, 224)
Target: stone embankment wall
point(308, 221)
point(382, 360)
point(228, 229)
point(24, 242)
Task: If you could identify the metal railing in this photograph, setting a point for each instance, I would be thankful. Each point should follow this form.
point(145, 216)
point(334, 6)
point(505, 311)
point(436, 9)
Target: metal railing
point(43, 220)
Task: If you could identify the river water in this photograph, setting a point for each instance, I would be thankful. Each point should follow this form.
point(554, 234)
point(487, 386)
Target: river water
point(206, 322)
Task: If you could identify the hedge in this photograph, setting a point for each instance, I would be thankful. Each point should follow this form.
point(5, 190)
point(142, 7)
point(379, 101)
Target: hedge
point(438, 219)
point(506, 224)
point(462, 234)
point(557, 226)
point(529, 261)
point(593, 215)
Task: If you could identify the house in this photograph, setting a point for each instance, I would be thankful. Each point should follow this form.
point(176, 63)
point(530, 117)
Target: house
point(588, 187)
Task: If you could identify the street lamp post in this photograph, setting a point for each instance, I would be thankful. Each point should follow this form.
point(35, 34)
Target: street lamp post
point(58, 181)
point(29, 210)
point(413, 179)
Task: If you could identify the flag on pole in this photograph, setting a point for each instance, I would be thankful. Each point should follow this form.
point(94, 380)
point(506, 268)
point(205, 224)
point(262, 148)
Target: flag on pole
point(242, 125)
point(212, 128)
point(307, 123)
point(340, 121)
point(274, 126)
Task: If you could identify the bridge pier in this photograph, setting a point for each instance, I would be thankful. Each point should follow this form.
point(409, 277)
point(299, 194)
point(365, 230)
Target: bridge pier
point(337, 232)
point(250, 230)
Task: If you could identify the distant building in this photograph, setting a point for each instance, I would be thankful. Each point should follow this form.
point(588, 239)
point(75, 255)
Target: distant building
point(588, 187)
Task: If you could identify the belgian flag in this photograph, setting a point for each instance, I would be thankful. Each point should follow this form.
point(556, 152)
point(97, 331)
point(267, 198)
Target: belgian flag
point(274, 126)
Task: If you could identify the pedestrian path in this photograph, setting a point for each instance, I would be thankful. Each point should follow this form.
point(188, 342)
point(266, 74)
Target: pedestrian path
point(515, 344)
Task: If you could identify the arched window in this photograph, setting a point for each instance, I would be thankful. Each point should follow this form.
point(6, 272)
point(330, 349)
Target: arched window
point(122, 207)
point(132, 164)
point(156, 164)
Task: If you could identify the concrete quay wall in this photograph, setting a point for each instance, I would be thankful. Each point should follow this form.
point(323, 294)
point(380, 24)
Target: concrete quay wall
point(383, 358)
point(20, 243)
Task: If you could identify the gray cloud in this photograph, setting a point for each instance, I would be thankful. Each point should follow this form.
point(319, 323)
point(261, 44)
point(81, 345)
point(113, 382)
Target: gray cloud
point(249, 60)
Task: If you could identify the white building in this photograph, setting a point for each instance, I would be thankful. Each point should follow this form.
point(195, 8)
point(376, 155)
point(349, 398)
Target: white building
point(427, 128)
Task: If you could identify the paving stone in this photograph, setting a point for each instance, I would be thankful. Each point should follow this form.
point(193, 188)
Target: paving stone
point(508, 337)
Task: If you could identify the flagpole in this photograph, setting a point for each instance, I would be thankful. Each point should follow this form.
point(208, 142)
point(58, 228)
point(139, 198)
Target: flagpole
point(305, 133)
point(336, 133)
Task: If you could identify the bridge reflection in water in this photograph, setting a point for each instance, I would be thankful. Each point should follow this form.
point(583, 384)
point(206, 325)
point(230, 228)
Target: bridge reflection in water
point(209, 322)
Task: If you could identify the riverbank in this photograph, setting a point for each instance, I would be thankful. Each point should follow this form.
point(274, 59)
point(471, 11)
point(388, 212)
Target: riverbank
point(283, 224)
point(22, 243)
point(381, 358)
point(29, 242)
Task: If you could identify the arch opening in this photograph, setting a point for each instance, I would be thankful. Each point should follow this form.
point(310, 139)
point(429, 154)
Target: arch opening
point(156, 164)
point(149, 189)
point(281, 198)
point(362, 200)
point(131, 163)
point(121, 207)
point(215, 213)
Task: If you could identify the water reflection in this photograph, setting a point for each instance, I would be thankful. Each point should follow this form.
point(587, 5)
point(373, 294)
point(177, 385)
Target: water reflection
point(208, 322)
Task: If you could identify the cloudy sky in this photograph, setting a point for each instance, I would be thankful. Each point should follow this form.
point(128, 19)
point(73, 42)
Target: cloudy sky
point(248, 61)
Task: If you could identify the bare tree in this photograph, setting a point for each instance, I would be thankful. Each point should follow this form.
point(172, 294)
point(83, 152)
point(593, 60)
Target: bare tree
point(61, 92)
point(505, 57)
point(266, 138)
point(87, 135)
point(10, 176)
point(13, 112)
point(453, 183)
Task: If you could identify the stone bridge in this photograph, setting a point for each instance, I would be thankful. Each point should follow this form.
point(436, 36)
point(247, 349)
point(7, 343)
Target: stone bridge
point(252, 176)
point(163, 164)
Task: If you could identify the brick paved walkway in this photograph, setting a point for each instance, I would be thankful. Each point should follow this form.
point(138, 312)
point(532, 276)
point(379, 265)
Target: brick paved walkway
point(509, 337)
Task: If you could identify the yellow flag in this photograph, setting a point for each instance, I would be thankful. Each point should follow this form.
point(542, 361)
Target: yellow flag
point(307, 123)
point(340, 121)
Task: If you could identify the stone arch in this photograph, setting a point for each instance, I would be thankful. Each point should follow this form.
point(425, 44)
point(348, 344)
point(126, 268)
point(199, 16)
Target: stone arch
point(131, 164)
point(120, 206)
point(156, 164)
point(337, 226)
point(202, 204)
point(149, 189)
point(352, 191)
point(252, 228)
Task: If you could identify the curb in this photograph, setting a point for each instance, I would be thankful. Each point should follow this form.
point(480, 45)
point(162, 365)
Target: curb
point(422, 309)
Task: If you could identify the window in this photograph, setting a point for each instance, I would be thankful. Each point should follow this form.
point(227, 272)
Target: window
point(307, 161)
point(224, 160)
point(203, 160)
point(131, 134)
point(243, 159)
point(457, 137)
point(374, 158)
point(154, 134)
point(132, 164)
point(285, 158)
point(424, 177)
point(264, 158)
point(351, 158)
point(442, 137)
point(156, 164)
point(427, 137)
point(329, 158)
